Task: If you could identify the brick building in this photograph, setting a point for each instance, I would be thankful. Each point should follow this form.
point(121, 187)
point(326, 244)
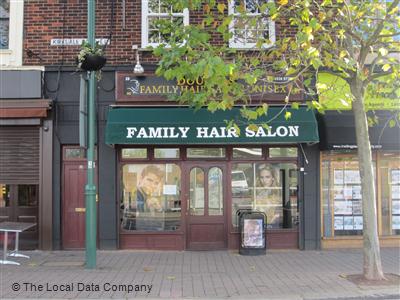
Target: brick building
point(167, 178)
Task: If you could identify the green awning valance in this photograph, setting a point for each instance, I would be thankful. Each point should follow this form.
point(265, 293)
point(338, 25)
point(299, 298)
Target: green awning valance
point(184, 126)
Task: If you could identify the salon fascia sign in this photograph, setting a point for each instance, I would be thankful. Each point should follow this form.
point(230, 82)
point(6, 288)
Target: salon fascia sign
point(133, 87)
point(209, 132)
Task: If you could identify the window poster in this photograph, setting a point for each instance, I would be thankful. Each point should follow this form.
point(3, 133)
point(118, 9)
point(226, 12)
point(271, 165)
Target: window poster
point(348, 223)
point(253, 233)
point(395, 222)
point(338, 223)
point(338, 176)
point(343, 208)
point(348, 192)
point(395, 176)
point(357, 207)
point(338, 193)
point(356, 191)
point(352, 176)
point(396, 192)
point(170, 189)
point(396, 207)
point(358, 223)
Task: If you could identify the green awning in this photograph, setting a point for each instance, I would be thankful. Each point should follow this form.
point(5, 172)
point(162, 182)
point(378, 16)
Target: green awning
point(184, 126)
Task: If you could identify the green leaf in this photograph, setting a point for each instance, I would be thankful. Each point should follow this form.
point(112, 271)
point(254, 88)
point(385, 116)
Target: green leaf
point(221, 8)
point(383, 51)
point(295, 105)
point(386, 67)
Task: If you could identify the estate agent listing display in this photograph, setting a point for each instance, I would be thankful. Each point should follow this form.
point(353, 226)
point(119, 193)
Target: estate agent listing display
point(347, 201)
point(395, 195)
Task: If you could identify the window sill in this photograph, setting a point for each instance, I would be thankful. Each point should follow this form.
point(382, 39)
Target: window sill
point(5, 52)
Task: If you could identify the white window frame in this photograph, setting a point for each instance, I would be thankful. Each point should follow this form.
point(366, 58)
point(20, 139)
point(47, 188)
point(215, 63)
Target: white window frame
point(145, 21)
point(13, 55)
point(239, 45)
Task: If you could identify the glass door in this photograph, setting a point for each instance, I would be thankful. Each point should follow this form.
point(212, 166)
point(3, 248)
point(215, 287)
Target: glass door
point(206, 217)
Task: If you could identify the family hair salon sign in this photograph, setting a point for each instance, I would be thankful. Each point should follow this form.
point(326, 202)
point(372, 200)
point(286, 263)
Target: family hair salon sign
point(208, 132)
point(131, 87)
point(182, 125)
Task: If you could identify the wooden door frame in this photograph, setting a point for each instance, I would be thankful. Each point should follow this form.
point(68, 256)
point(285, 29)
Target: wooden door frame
point(77, 161)
point(187, 166)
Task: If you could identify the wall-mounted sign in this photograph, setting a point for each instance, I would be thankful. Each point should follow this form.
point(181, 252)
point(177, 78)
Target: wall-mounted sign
point(131, 87)
point(186, 126)
point(73, 42)
point(336, 95)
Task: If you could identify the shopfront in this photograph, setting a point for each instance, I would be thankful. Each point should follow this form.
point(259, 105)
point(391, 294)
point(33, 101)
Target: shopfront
point(341, 199)
point(26, 156)
point(183, 175)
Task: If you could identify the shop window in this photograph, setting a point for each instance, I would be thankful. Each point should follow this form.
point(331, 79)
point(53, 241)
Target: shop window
point(206, 152)
point(5, 195)
point(250, 153)
point(28, 195)
point(341, 196)
point(150, 197)
point(282, 152)
point(389, 166)
point(135, 153)
point(196, 197)
point(250, 24)
point(269, 188)
point(153, 11)
point(166, 153)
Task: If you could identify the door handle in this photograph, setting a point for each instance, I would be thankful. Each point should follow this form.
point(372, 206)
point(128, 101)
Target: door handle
point(80, 209)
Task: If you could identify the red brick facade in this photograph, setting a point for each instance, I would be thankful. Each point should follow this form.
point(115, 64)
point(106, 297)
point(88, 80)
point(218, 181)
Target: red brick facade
point(45, 20)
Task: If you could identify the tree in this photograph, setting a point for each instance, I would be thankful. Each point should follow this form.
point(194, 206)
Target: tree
point(354, 40)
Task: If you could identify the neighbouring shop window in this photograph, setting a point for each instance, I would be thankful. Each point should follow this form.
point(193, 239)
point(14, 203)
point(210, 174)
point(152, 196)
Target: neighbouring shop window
point(27, 195)
point(150, 199)
point(4, 23)
point(341, 195)
point(266, 187)
point(206, 152)
point(389, 167)
point(166, 153)
point(282, 152)
point(5, 195)
point(243, 153)
point(134, 153)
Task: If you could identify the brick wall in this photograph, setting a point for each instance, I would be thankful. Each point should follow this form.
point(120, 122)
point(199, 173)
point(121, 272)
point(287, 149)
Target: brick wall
point(64, 19)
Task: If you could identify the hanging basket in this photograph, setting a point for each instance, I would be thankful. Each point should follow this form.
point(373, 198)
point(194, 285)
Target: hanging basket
point(93, 62)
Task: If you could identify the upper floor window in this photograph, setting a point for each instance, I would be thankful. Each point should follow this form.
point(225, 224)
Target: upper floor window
point(250, 24)
point(393, 19)
point(11, 32)
point(152, 12)
point(4, 23)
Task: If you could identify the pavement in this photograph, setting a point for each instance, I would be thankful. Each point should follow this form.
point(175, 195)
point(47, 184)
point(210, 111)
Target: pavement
point(285, 274)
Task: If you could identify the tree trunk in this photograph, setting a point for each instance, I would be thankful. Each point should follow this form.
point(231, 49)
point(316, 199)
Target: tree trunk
point(372, 257)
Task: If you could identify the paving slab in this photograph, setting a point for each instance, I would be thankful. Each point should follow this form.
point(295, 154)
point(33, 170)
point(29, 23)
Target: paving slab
point(122, 274)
